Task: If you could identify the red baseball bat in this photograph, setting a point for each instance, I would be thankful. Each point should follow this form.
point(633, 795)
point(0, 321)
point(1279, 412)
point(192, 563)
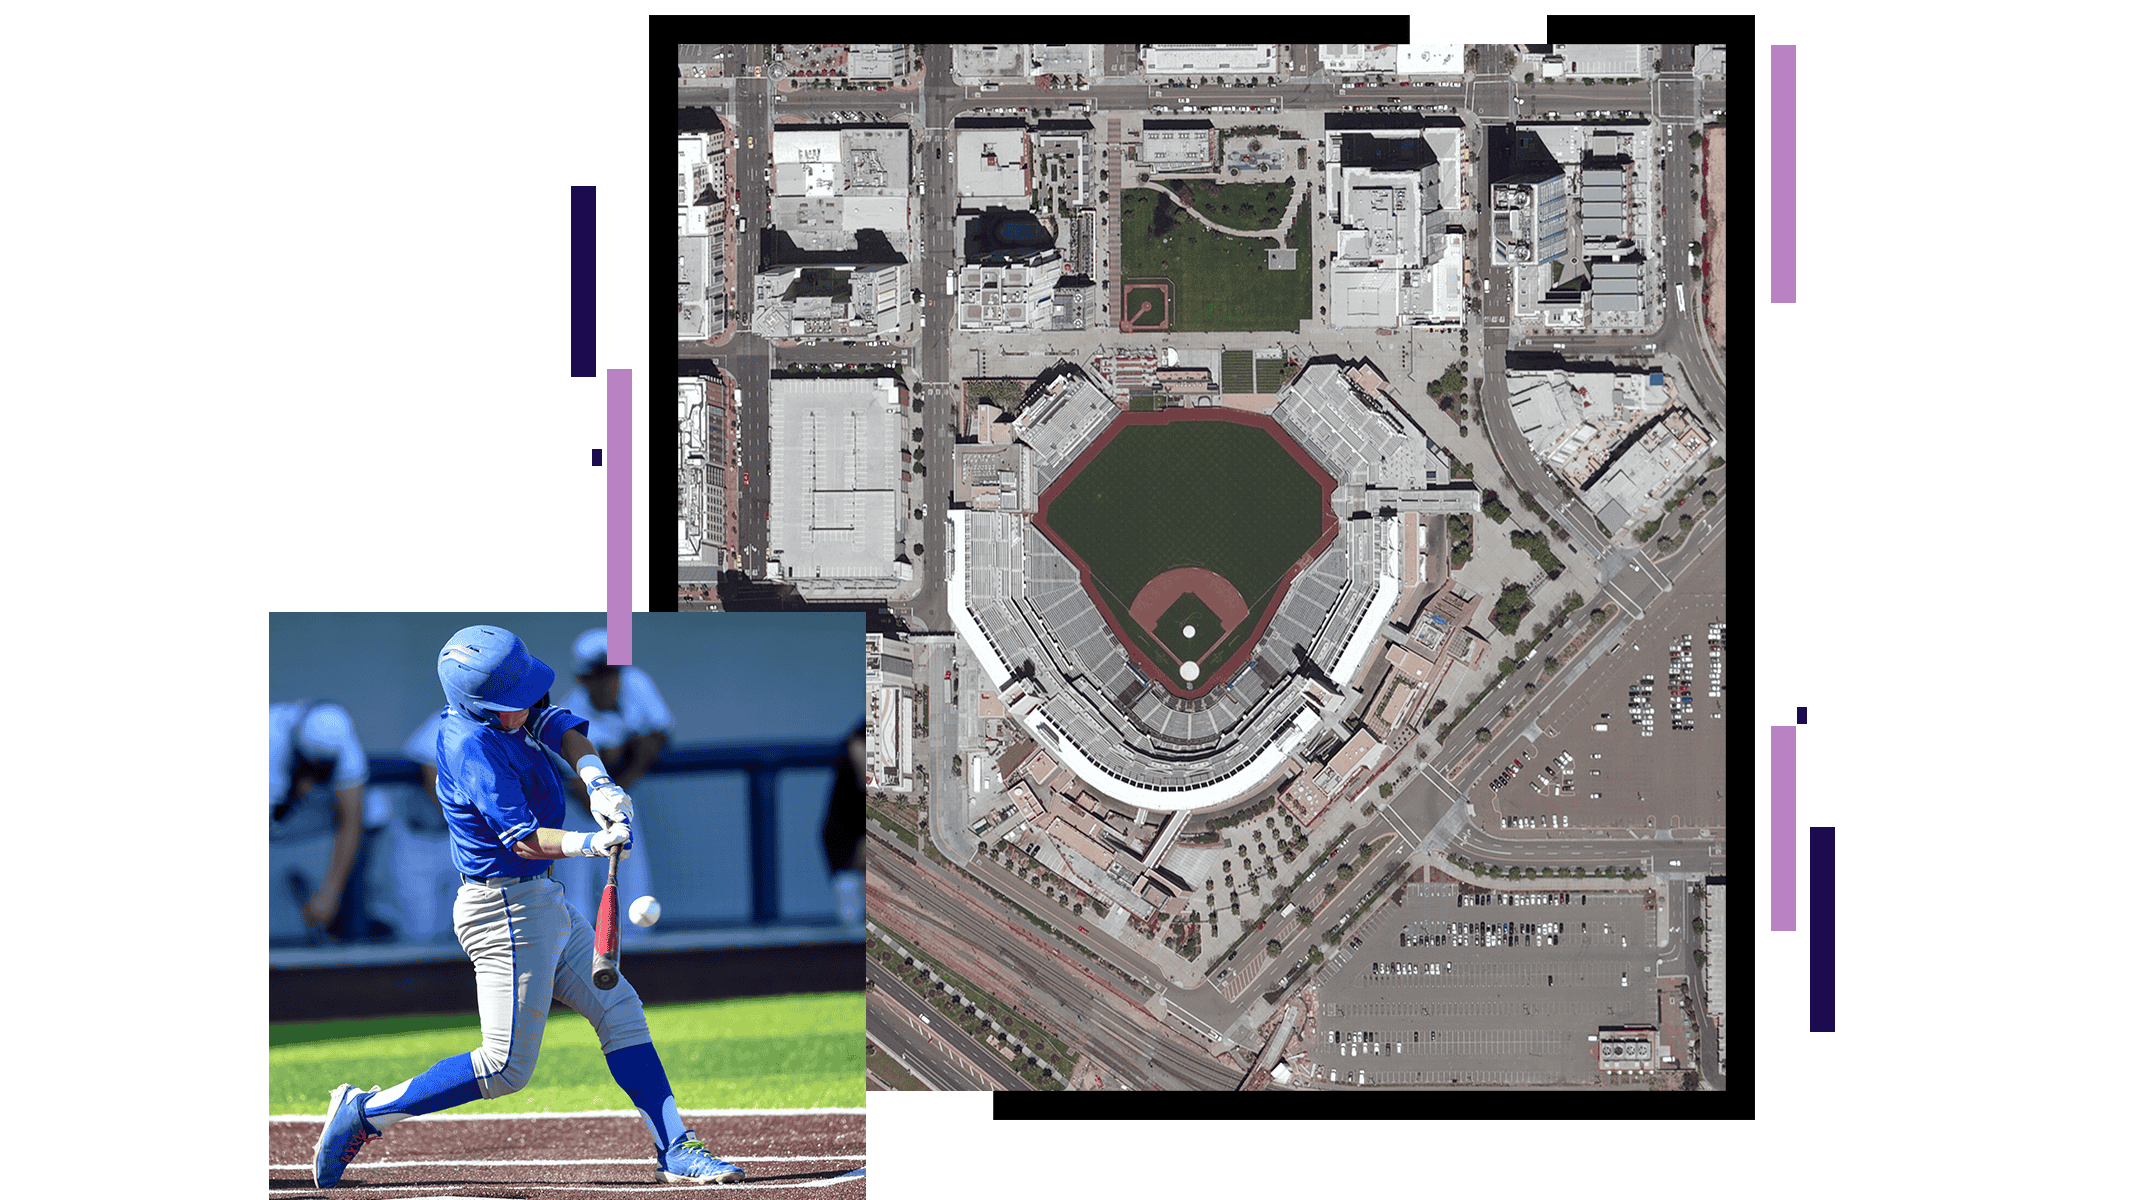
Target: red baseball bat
point(607, 952)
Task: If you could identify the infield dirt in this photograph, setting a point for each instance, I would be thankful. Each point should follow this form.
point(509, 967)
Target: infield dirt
point(569, 1156)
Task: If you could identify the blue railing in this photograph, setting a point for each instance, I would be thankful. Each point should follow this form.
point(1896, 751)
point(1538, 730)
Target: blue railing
point(762, 761)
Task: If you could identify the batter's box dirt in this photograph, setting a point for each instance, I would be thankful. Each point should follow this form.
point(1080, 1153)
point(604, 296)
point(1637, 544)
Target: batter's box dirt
point(562, 1156)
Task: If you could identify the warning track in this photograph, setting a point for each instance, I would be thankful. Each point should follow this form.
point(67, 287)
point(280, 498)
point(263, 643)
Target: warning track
point(558, 1156)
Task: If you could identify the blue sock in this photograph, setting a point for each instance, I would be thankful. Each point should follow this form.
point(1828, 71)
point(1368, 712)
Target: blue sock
point(644, 1080)
point(448, 1084)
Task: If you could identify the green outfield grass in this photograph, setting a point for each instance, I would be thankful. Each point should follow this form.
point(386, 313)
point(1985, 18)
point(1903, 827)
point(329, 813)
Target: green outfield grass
point(767, 1052)
point(1237, 371)
point(1208, 494)
point(1189, 609)
point(1219, 282)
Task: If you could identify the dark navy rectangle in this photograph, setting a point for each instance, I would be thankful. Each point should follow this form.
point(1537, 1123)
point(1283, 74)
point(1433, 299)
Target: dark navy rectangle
point(582, 283)
point(1803, 718)
point(596, 456)
point(1822, 929)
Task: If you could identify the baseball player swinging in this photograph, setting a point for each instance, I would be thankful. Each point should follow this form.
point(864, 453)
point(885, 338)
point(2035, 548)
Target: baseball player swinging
point(502, 802)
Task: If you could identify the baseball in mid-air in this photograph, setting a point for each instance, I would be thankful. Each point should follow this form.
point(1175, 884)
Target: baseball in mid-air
point(644, 911)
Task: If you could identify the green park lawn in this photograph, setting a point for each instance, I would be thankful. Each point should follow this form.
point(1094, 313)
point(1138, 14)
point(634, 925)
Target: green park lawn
point(1219, 282)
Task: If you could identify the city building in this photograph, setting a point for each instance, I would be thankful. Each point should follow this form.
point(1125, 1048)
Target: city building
point(1211, 60)
point(836, 491)
point(833, 183)
point(701, 219)
point(1432, 58)
point(1397, 259)
point(889, 713)
point(708, 526)
point(1381, 59)
point(1607, 61)
point(1178, 144)
point(993, 162)
point(878, 61)
point(1617, 436)
point(1530, 205)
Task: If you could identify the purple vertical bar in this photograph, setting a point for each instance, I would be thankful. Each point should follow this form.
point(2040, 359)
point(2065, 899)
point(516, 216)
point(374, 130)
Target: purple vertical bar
point(1822, 929)
point(1783, 870)
point(582, 283)
point(619, 539)
point(1782, 192)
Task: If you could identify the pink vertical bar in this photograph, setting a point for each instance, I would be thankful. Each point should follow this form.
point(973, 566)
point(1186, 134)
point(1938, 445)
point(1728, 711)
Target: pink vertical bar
point(1782, 175)
point(1783, 870)
point(619, 539)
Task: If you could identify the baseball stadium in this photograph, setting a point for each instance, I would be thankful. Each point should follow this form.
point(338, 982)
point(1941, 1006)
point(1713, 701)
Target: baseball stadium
point(742, 952)
point(1277, 539)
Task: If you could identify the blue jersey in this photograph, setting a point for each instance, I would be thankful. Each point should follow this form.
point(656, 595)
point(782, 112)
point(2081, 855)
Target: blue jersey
point(498, 787)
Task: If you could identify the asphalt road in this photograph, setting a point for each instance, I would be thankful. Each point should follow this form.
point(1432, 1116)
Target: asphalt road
point(996, 1075)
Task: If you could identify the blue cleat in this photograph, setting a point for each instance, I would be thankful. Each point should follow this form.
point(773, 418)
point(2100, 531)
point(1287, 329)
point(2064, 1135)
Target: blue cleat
point(345, 1133)
point(686, 1162)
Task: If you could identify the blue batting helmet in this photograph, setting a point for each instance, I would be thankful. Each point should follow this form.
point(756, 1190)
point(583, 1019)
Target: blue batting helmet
point(487, 670)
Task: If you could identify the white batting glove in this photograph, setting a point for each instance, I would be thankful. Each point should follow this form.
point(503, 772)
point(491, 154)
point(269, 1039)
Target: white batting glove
point(610, 804)
point(597, 845)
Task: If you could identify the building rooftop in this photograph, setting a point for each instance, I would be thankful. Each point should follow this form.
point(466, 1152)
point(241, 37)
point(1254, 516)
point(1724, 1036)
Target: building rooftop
point(835, 489)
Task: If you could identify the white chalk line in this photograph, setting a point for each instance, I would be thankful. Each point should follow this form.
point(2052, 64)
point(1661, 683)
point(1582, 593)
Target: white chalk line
point(665, 1189)
point(601, 1112)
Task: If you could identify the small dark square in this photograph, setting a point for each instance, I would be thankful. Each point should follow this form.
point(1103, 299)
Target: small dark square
point(596, 462)
point(1803, 712)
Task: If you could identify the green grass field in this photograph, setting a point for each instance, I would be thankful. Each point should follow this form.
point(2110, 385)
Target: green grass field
point(1189, 494)
point(1237, 371)
point(1219, 282)
point(767, 1052)
point(1270, 374)
point(1189, 609)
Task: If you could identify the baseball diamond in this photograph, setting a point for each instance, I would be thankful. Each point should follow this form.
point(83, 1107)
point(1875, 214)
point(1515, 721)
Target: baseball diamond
point(1229, 496)
point(1188, 628)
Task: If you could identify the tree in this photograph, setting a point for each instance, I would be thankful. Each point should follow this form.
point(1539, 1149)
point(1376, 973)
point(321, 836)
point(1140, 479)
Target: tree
point(1345, 871)
point(1274, 947)
point(1696, 139)
point(1482, 735)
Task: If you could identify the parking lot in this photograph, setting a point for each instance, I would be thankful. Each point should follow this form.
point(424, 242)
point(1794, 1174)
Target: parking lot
point(1463, 985)
point(1630, 775)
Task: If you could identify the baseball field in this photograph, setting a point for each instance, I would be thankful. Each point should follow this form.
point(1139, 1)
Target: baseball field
point(1161, 494)
point(774, 1084)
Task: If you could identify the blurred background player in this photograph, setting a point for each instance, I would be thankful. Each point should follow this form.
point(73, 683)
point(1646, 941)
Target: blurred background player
point(504, 806)
point(424, 879)
point(317, 777)
point(844, 830)
point(628, 724)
